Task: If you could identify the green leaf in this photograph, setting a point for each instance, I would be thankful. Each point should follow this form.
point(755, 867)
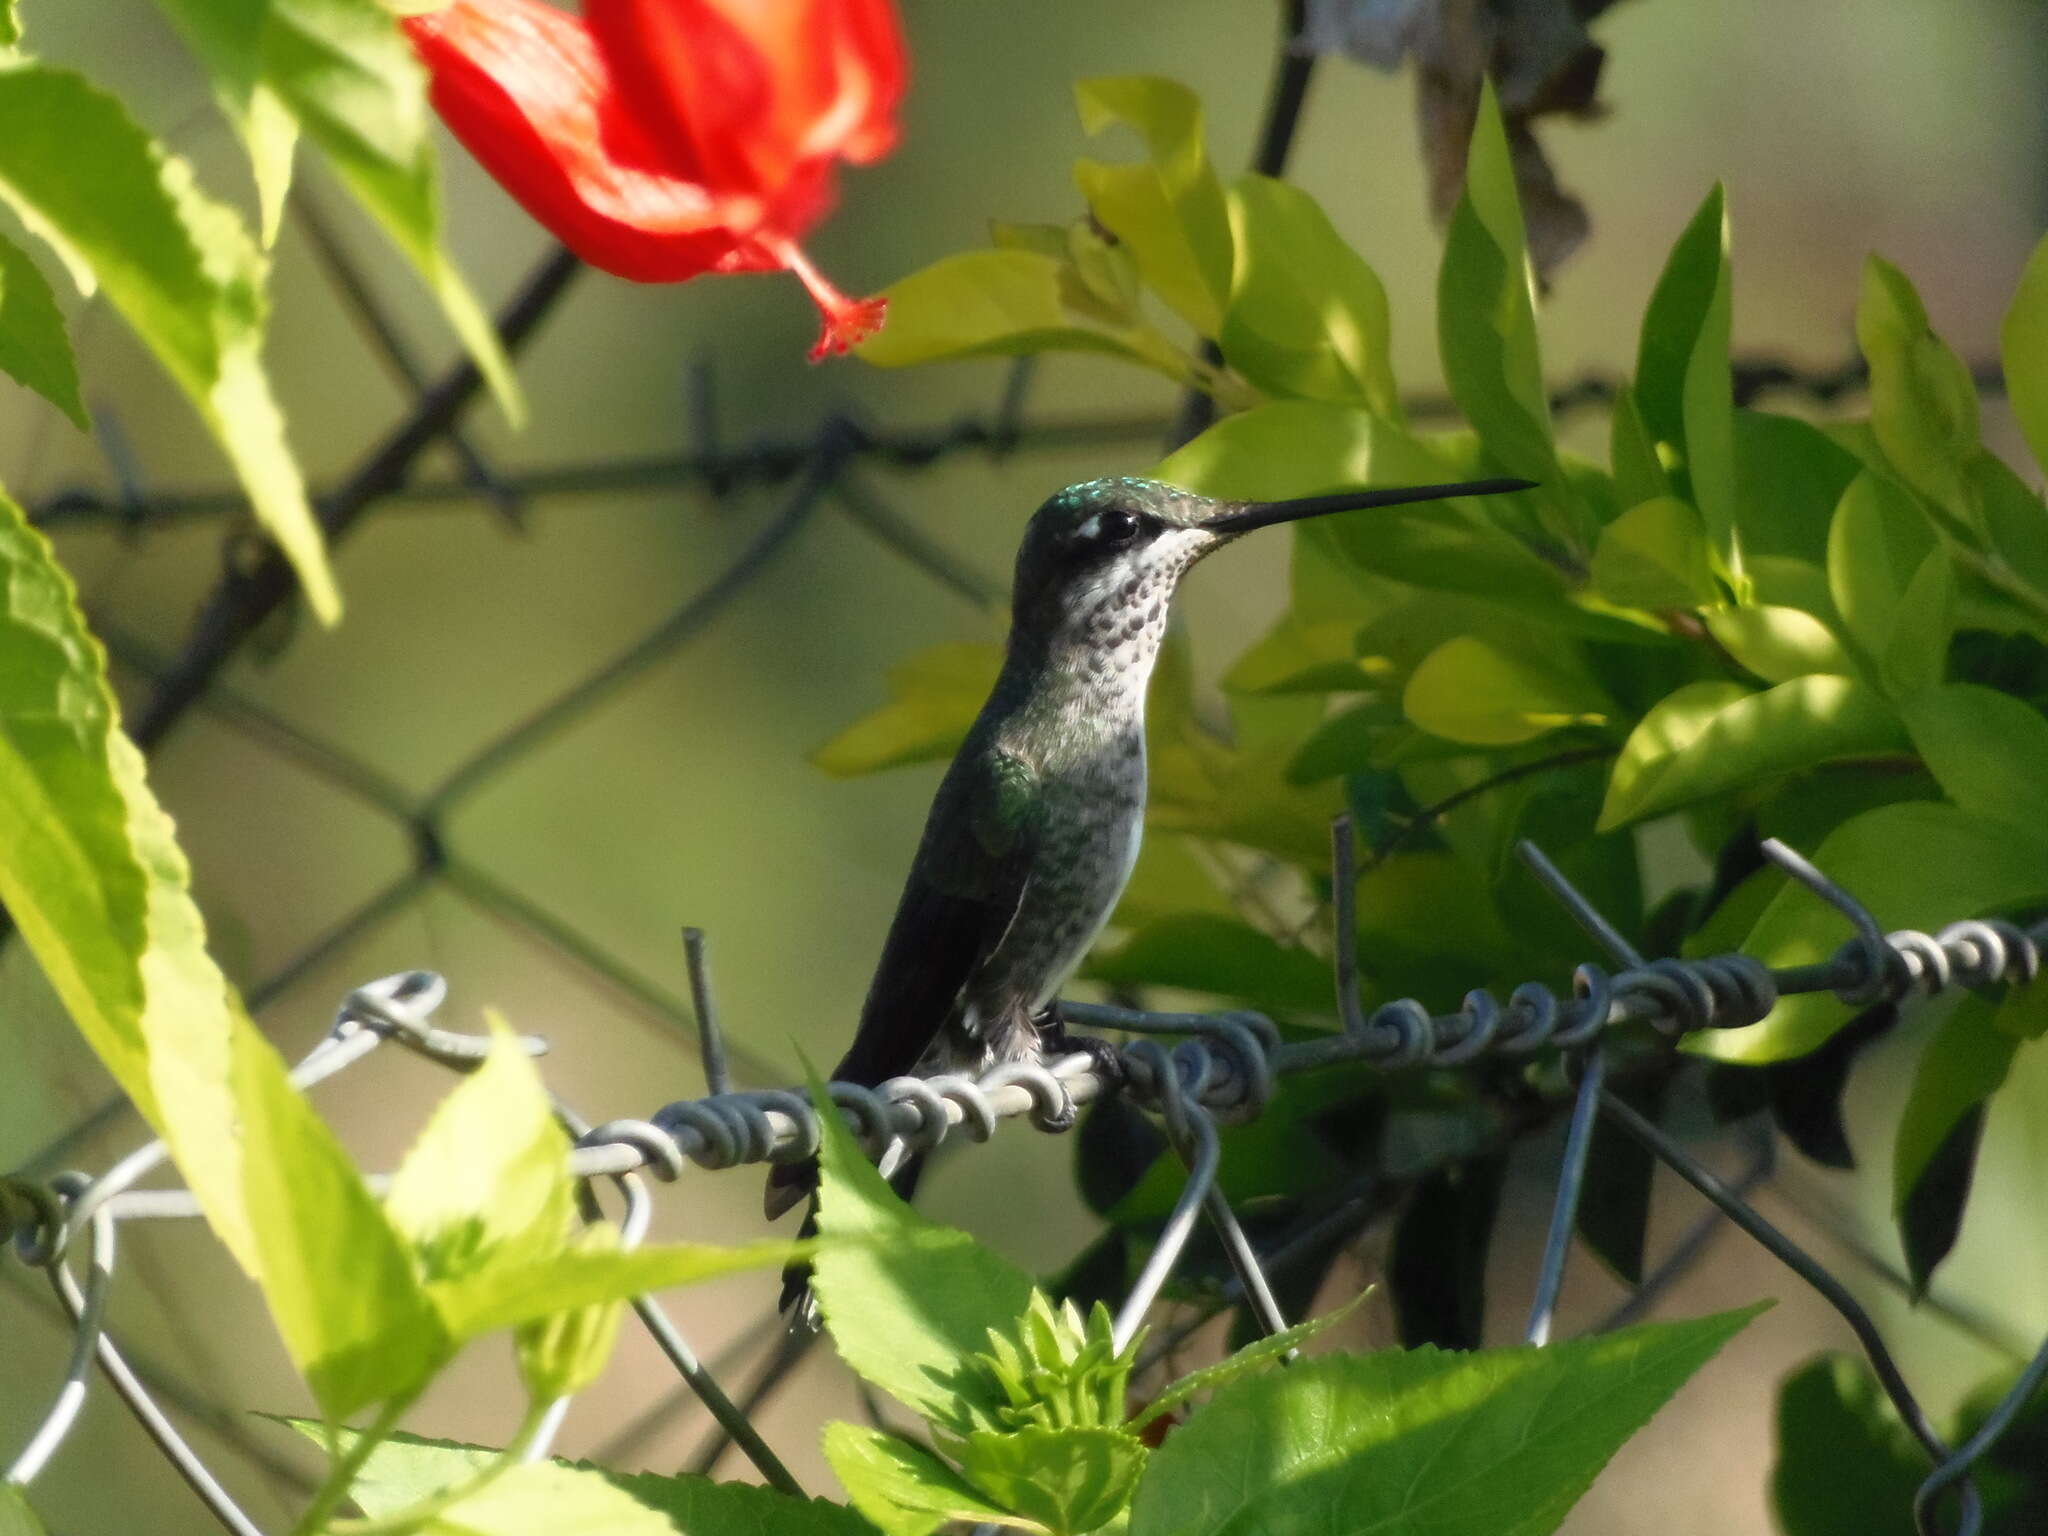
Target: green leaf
point(1655, 556)
point(1307, 316)
point(1778, 644)
point(1486, 315)
point(1923, 403)
point(2016, 524)
point(34, 350)
point(16, 1518)
point(1683, 386)
point(1255, 1356)
point(1789, 475)
point(487, 1182)
point(1845, 1462)
point(1639, 475)
point(564, 1352)
point(2023, 349)
point(10, 24)
point(904, 1490)
point(343, 72)
point(506, 1295)
point(1986, 749)
point(93, 876)
point(1916, 864)
point(1300, 656)
point(1066, 1480)
point(1707, 738)
point(1469, 690)
point(1497, 1443)
point(908, 1301)
point(179, 267)
point(1891, 583)
point(1003, 302)
point(1223, 956)
point(406, 1469)
point(1171, 210)
point(1963, 1064)
point(934, 696)
point(547, 1496)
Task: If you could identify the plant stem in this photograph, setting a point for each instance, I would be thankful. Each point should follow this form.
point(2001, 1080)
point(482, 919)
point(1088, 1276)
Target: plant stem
point(334, 1491)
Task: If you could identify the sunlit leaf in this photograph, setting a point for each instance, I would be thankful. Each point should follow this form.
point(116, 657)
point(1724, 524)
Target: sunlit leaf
point(1917, 864)
point(1256, 1356)
point(94, 879)
point(1067, 1479)
point(906, 1491)
point(1170, 210)
point(34, 350)
point(1706, 738)
point(1000, 303)
point(1923, 402)
point(1683, 385)
point(343, 72)
point(1467, 690)
point(907, 1300)
point(180, 268)
point(1777, 643)
point(934, 696)
point(16, 1518)
point(566, 1351)
point(1486, 315)
point(1307, 316)
point(2023, 348)
point(1878, 545)
point(1498, 1443)
point(1655, 555)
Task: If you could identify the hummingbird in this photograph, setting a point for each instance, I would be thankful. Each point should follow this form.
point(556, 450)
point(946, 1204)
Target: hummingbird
point(1037, 823)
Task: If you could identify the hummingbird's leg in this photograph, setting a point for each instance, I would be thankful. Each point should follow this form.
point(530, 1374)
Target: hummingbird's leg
point(1055, 1039)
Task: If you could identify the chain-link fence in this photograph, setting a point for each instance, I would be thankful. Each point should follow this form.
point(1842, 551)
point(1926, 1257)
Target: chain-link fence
point(1221, 1069)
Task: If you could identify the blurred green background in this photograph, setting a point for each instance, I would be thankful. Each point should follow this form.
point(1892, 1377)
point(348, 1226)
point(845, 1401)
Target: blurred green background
point(1913, 128)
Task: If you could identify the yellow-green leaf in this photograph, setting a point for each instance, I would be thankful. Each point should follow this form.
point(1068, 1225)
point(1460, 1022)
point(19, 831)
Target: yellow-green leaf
point(123, 213)
point(34, 350)
point(1778, 644)
point(2023, 348)
point(934, 696)
point(1923, 402)
point(1469, 690)
point(1655, 556)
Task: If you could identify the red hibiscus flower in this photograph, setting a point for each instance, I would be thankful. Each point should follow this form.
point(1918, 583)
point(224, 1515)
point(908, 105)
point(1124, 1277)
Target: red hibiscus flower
point(660, 139)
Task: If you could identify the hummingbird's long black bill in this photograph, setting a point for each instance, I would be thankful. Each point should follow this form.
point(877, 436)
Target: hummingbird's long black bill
point(1263, 514)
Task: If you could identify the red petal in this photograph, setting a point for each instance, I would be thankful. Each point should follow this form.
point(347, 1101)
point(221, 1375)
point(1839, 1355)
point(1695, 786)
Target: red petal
point(522, 85)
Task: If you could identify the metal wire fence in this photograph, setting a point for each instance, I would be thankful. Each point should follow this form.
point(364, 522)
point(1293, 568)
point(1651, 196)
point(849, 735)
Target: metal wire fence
point(1218, 1069)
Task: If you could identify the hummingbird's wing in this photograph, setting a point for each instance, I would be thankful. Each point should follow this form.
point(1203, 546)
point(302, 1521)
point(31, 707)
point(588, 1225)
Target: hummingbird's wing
point(964, 891)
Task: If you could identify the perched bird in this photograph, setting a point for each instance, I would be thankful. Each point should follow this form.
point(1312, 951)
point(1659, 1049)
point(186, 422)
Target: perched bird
point(1036, 825)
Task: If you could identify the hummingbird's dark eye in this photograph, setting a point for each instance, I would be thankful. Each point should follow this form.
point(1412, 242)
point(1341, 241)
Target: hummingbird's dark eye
point(1116, 527)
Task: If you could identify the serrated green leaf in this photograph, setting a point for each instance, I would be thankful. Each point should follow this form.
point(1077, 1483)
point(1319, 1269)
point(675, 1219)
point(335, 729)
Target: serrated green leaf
point(1917, 864)
point(566, 1351)
point(1707, 738)
point(1986, 749)
point(1486, 314)
point(1655, 555)
point(1778, 644)
point(1255, 1356)
point(1496, 1443)
point(487, 1182)
point(1001, 303)
point(1923, 402)
point(906, 1491)
point(1171, 210)
point(343, 72)
point(1845, 1462)
point(1066, 1480)
point(1471, 691)
point(1683, 386)
point(934, 696)
point(907, 1300)
point(179, 267)
point(1307, 316)
point(94, 878)
point(506, 1295)
point(2023, 349)
point(34, 350)
point(547, 1496)
point(406, 1469)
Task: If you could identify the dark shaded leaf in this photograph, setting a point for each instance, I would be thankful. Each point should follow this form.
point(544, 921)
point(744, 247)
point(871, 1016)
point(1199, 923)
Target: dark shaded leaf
point(1113, 1146)
point(1614, 1202)
point(1932, 1213)
point(1806, 1092)
point(1846, 1465)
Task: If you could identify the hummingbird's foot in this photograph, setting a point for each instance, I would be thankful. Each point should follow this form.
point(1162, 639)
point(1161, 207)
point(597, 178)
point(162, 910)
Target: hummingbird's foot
point(1105, 1057)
